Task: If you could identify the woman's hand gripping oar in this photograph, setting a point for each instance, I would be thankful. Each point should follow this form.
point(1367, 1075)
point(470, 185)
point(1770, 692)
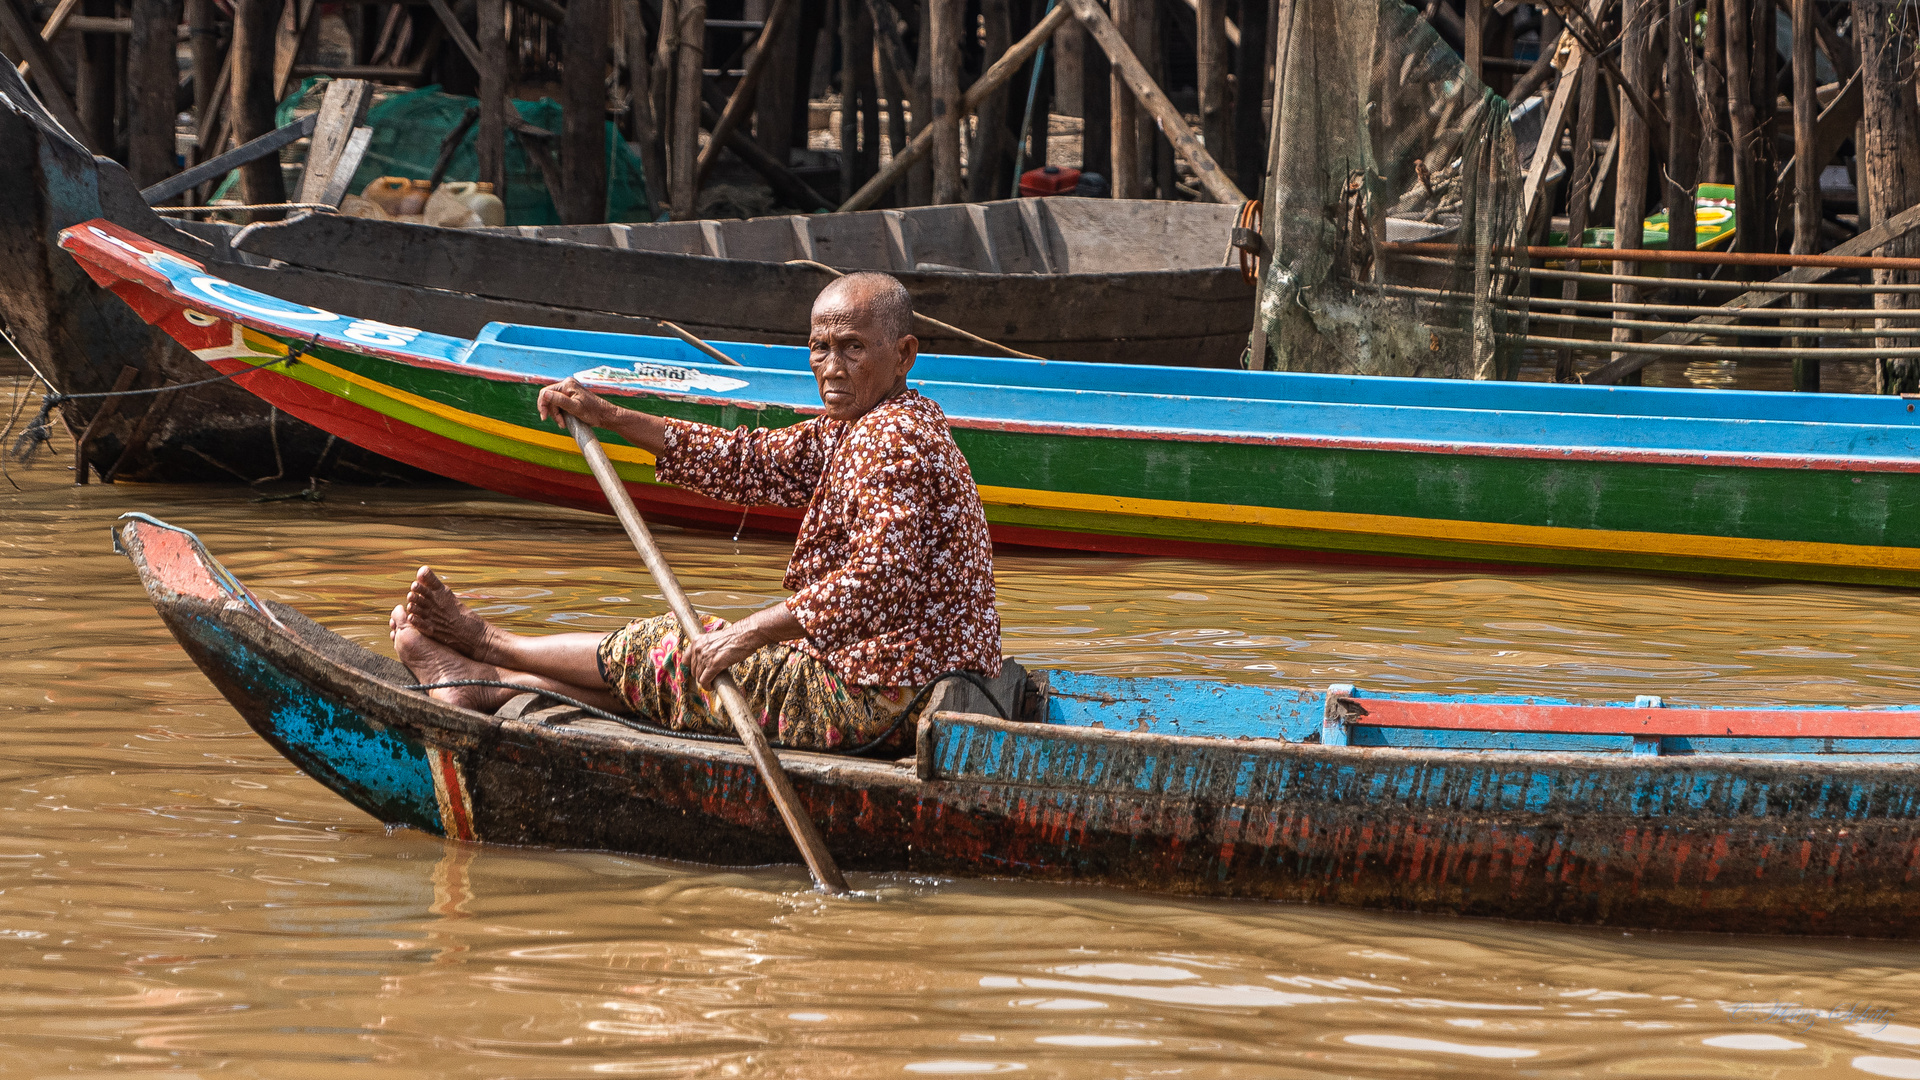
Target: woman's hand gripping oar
point(805, 836)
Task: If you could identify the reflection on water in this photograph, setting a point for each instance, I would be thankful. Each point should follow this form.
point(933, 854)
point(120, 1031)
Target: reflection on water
point(174, 897)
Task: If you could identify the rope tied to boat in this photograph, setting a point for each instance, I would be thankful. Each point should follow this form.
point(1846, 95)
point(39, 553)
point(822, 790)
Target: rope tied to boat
point(39, 431)
point(636, 724)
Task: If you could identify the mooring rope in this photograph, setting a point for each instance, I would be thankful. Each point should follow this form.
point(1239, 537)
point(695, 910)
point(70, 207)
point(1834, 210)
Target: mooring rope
point(39, 430)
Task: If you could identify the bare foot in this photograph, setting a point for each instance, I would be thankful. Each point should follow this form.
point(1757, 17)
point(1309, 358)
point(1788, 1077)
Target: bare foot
point(434, 611)
point(432, 662)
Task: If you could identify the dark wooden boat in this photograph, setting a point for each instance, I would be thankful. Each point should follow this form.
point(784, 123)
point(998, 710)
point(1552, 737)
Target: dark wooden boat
point(84, 340)
point(1760, 820)
point(1096, 280)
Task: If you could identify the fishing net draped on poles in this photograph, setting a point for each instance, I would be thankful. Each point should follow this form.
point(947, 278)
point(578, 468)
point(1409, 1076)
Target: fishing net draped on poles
point(1384, 135)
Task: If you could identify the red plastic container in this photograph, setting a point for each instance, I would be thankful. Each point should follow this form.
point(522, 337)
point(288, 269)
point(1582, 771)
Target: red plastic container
point(1052, 180)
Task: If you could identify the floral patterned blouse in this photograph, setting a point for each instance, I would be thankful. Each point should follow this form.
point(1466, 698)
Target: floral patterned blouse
point(892, 575)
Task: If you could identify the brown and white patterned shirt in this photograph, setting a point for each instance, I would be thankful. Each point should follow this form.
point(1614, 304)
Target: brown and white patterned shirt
point(892, 575)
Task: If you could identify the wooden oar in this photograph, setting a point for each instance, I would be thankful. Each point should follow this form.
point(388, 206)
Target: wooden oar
point(805, 836)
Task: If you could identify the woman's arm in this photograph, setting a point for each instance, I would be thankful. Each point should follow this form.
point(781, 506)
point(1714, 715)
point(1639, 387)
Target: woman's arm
point(720, 650)
point(644, 430)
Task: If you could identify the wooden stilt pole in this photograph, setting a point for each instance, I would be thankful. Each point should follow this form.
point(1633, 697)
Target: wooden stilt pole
point(583, 139)
point(987, 164)
point(1150, 97)
point(203, 45)
point(1476, 36)
point(683, 152)
point(252, 104)
point(1683, 140)
point(490, 144)
point(1711, 98)
point(152, 76)
point(943, 31)
point(1250, 92)
point(1806, 178)
point(1630, 185)
point(1211, 52)
point(774, 100)
point(1890, 156)
point(1096, 109)
point(1127, 172)
point(847, 22)
point(741, 101)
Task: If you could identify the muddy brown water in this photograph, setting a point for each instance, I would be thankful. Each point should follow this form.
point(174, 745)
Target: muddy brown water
point(176, 899)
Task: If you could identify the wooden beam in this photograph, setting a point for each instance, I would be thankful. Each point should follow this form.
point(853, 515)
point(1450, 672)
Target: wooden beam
point(351, 156)
point(785, 184)
point(1630, 175)
point(745, 93)
point(204, 45)
point(1185, 143)
point(1548, 147)
point(213, 168)
point(459, 35)
point(46, 80)
point(343, 109)
point(994, 76)
point(944, 33)
point(1681, 171)
point(290, 34)
point(991, 152)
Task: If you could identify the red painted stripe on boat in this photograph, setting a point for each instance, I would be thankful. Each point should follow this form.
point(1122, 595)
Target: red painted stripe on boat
point(456, 796)
point(174, 559)
point(1630, 720)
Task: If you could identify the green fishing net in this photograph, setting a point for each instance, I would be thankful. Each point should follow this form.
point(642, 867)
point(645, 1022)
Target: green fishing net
point(408, 129)
point(1385, 138)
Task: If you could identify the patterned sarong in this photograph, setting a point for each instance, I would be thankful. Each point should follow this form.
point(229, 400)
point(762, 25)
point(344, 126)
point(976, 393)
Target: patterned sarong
point(800, 701)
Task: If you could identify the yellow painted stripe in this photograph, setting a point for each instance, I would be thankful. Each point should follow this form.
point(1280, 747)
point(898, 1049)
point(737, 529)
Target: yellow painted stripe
point(552, 440)
point(1745, 549)
point(1686, 545)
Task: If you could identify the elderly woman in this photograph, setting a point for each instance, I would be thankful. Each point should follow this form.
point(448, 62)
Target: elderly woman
point(892, 575)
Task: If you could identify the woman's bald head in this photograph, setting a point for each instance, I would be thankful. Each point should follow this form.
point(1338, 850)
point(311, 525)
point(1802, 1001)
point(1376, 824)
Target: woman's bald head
point(874, 295)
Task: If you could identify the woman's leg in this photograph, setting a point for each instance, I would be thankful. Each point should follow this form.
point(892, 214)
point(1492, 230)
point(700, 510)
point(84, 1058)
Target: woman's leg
point(433, 662)
point(434, 612)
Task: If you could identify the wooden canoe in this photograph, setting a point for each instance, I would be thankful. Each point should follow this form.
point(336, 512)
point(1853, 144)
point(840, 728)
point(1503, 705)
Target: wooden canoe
point(1638, 815)
point(1149, 460)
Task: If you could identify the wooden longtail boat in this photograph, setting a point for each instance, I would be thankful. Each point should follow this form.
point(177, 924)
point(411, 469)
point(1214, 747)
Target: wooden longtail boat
point(1764, 820)
point(1822, 487)
point(1062, 280)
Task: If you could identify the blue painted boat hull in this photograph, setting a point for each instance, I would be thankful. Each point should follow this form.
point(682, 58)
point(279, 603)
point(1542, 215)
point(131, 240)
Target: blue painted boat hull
point(1811, 844)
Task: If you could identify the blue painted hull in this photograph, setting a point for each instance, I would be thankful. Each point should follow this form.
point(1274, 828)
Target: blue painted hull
point(1194, 788)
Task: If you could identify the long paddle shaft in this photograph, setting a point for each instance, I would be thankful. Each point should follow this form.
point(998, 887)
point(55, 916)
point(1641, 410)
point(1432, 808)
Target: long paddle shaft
point(812, 848)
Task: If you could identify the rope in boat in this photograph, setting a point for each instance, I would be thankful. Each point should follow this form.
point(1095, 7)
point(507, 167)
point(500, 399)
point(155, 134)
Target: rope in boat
point(221, 208)
point(38, 431)
point(701, 736)
point(928, 319)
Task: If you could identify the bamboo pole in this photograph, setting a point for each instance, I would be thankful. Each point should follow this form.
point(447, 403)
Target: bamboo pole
point(1711, 96)
point(943, 32)
point(806, 836)
point(994, 76)
point(683, 152)
point(1185, 143)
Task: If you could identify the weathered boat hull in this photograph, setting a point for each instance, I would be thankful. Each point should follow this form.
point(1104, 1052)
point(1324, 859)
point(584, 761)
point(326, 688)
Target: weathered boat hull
point(1136, 459)
point(1160, 294)
point(82, 339)
point(1751, 845)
